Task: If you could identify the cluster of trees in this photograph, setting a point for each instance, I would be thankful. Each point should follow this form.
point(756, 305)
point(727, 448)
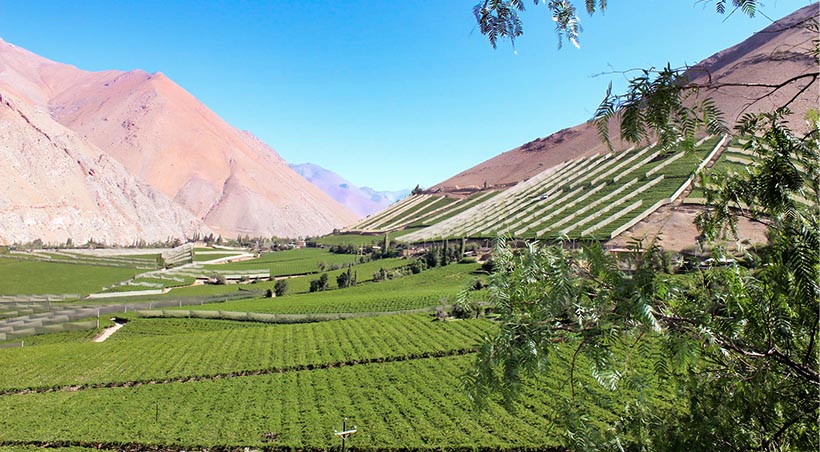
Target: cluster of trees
point(736, 348)
point(445, 253)
point(347, 278)
point(387, 249)
point(280, 288)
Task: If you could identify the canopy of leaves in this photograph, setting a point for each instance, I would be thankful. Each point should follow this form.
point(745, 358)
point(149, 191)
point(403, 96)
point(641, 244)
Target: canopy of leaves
point(739, 343)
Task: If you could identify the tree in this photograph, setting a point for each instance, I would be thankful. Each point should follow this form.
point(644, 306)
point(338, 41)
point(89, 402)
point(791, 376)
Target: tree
point(737, 345)
point(280, 287)
point(346, 279)
point(320, 284)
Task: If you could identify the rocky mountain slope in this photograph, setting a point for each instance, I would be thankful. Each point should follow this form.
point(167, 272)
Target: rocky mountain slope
point(363, 201)
point(166, 138)
point(58, 186)
point(774, 55)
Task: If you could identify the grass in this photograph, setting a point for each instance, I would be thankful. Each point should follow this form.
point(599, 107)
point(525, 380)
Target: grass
point(350, 239)
point(296, 284)
point(35, 277)
point(209, 257)
point(291, 262)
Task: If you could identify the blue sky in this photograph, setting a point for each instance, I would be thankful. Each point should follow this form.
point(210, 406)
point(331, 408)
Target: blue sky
point(387, 93)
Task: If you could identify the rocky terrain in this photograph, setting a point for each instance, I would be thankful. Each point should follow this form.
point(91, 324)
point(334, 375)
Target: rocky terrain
point(57, 186)
point(220, 179)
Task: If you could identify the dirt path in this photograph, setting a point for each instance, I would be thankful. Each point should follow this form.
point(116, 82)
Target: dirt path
point(106, 333)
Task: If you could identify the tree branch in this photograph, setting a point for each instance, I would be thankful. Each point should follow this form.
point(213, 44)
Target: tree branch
point(769, 442)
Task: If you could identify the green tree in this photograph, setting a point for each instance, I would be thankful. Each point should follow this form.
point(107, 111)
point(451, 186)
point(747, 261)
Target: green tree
point(738, 346)
point(280, 287)
point(318, 285)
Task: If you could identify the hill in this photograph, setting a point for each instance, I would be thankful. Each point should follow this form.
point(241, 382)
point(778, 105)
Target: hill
point(165, 137)
point(58, 186)
point(362, 201)
point(569, 184)
point(771, 56)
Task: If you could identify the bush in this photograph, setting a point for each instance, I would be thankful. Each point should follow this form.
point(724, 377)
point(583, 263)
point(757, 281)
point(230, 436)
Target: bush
point(488, 266)
point(320, 284)
point(346, 279)
point(280, 287)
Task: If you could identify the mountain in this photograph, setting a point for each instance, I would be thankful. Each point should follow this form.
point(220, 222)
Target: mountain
point(775, 54)
point(363, 201)
point(166, 138)
point(570, 186)
point(57, 186)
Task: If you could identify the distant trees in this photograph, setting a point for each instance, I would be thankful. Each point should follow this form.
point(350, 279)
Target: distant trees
point(347, 279)
point(318, 285)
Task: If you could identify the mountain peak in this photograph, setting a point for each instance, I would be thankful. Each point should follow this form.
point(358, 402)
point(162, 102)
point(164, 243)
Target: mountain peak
point(164, 136)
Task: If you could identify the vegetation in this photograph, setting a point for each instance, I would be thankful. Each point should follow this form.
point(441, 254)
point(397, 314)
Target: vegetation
point(38, 277)
point(739, 345)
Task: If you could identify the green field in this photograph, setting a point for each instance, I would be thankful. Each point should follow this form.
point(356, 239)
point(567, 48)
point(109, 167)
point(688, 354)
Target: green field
point(37, 277)
point(196, 383)
point(429, 288)
point(291, 262)
point(404, 403)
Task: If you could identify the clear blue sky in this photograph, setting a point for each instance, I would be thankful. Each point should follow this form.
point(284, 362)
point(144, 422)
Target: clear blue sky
point(387, 93)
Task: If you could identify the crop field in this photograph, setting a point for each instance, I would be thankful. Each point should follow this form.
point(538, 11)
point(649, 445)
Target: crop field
point(138, 354)
point(198, 383)
point(39, 277)
point(401, 404)
point(412, 401)
point(428, 288)
point(592, 197)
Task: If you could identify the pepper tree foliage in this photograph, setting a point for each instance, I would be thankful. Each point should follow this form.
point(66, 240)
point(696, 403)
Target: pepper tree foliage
point(734, 348)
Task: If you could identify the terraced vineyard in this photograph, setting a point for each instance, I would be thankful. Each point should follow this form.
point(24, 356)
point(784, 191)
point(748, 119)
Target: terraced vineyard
point(735, 159)
point(595, 197)
point(418, 211)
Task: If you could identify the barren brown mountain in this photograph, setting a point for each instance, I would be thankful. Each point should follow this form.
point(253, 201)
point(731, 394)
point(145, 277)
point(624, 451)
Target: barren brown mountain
point(777, 54)
point(59, 186)
point(773, 68)
point(165, 137)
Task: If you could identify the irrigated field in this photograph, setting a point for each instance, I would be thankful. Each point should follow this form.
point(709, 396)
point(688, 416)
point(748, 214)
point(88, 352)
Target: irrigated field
point(171, 383)
point(596, 197)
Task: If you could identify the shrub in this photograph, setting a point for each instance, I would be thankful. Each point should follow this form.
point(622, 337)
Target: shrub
point(320, 284)
point(280, 287)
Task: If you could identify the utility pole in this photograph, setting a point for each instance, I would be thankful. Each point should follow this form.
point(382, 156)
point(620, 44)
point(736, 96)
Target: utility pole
point(345, 433)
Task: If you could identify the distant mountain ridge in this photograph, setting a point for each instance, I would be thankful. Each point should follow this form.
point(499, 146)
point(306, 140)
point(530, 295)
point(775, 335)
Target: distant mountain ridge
point(363, 201)
point(227, 180)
